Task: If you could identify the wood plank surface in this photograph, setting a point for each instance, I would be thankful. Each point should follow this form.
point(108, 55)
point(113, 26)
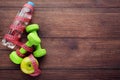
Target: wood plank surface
point(71, 23)
point(63, 75)
point(82, 39)
point(64, 3)
point(74, 53)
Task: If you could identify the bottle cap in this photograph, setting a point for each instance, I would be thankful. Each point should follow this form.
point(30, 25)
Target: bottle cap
point(31, 3)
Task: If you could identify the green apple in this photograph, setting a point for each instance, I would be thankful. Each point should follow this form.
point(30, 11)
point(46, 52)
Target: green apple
point(26, 65)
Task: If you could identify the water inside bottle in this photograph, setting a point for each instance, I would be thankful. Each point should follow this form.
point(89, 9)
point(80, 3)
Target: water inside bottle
point(23, 13)
point(8, 44)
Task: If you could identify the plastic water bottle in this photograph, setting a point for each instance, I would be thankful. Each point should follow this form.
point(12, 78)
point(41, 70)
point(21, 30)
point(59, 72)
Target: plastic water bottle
point(21, 20)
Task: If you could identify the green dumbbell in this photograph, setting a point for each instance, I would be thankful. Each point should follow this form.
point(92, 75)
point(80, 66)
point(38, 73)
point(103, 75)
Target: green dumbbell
point(15, 58)
point(39, 52)
point(33, 39)
point(32, 28)
point(33, 36)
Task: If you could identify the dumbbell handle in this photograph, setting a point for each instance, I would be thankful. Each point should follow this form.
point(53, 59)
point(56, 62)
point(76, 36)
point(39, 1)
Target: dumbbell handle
point(33, 39)
point(22, 50)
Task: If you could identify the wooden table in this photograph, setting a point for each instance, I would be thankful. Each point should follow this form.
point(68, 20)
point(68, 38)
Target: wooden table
point(82, 38)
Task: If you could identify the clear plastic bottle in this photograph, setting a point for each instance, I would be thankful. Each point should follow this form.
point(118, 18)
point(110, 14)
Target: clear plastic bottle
point(19, 21)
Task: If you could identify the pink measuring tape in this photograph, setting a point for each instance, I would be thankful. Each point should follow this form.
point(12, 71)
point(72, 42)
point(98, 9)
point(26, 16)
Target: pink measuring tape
point(37, 71)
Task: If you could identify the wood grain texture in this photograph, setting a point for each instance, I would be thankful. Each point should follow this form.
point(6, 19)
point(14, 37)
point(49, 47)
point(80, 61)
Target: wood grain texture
point(71, 23)
point(64, 3)
point(74, 54)
point(63, 74)
point(81, 38)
